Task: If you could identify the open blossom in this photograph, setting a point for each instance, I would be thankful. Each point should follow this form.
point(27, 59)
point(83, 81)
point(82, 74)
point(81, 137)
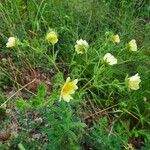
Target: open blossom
point(134, 81)
point(132, 45)
point(109, 59)
point(52, 37)
point(68, 89)
point(12, 42)
point(115, 38)
point(81, 46)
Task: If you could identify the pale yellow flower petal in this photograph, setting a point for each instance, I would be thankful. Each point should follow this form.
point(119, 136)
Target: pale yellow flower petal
point(68, 89)
point(75, 81)
point(132, 45)
point(109, 59)
point(116, 38)
point(68, 79)
point(67, 98)
point(133, 82)
point(52, 37)
point(12, 42)
point(81, 46)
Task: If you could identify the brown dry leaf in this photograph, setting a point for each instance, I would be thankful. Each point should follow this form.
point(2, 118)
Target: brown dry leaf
point(39, 77)
point(26, 74)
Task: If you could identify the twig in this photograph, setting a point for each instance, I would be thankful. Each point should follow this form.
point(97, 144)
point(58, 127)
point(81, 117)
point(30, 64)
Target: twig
point(101, 111)
point(17, 92)
point(131, 114)
point(11, 78)
point(111, 130)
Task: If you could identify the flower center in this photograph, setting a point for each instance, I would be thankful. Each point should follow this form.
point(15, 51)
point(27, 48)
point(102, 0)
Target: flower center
point(68, 88)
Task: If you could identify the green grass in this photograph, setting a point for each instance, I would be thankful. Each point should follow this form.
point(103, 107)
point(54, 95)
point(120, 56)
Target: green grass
point(104, 113)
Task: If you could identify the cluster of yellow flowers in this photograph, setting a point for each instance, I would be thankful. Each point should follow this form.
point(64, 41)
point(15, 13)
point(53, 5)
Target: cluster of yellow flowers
point(81, 47)
point(132, 46)
point(134, 81)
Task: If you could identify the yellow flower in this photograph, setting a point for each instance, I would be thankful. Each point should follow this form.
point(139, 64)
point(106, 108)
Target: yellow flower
point(132, 45)
point(109, 59)
point(68, 89)
point(81, 46)
point(52, 37)
point(12, 42)
point(134, 81)
point(115, 38)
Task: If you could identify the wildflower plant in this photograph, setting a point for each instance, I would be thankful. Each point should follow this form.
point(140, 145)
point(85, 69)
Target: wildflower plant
point(52, 37)
point(65, 95)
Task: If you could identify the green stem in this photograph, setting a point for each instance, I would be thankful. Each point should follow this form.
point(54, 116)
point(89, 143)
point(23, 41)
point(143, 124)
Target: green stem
point(72, 60)
point(53, 52)
point(97, 72)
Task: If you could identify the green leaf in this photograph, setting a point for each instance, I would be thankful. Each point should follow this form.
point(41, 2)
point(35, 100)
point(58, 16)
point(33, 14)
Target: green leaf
point(38, 101)
point(78, 125)
point(42, 89)
point(53, 97)
point(20, 103)
point(59, 79)
point(21, 147)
